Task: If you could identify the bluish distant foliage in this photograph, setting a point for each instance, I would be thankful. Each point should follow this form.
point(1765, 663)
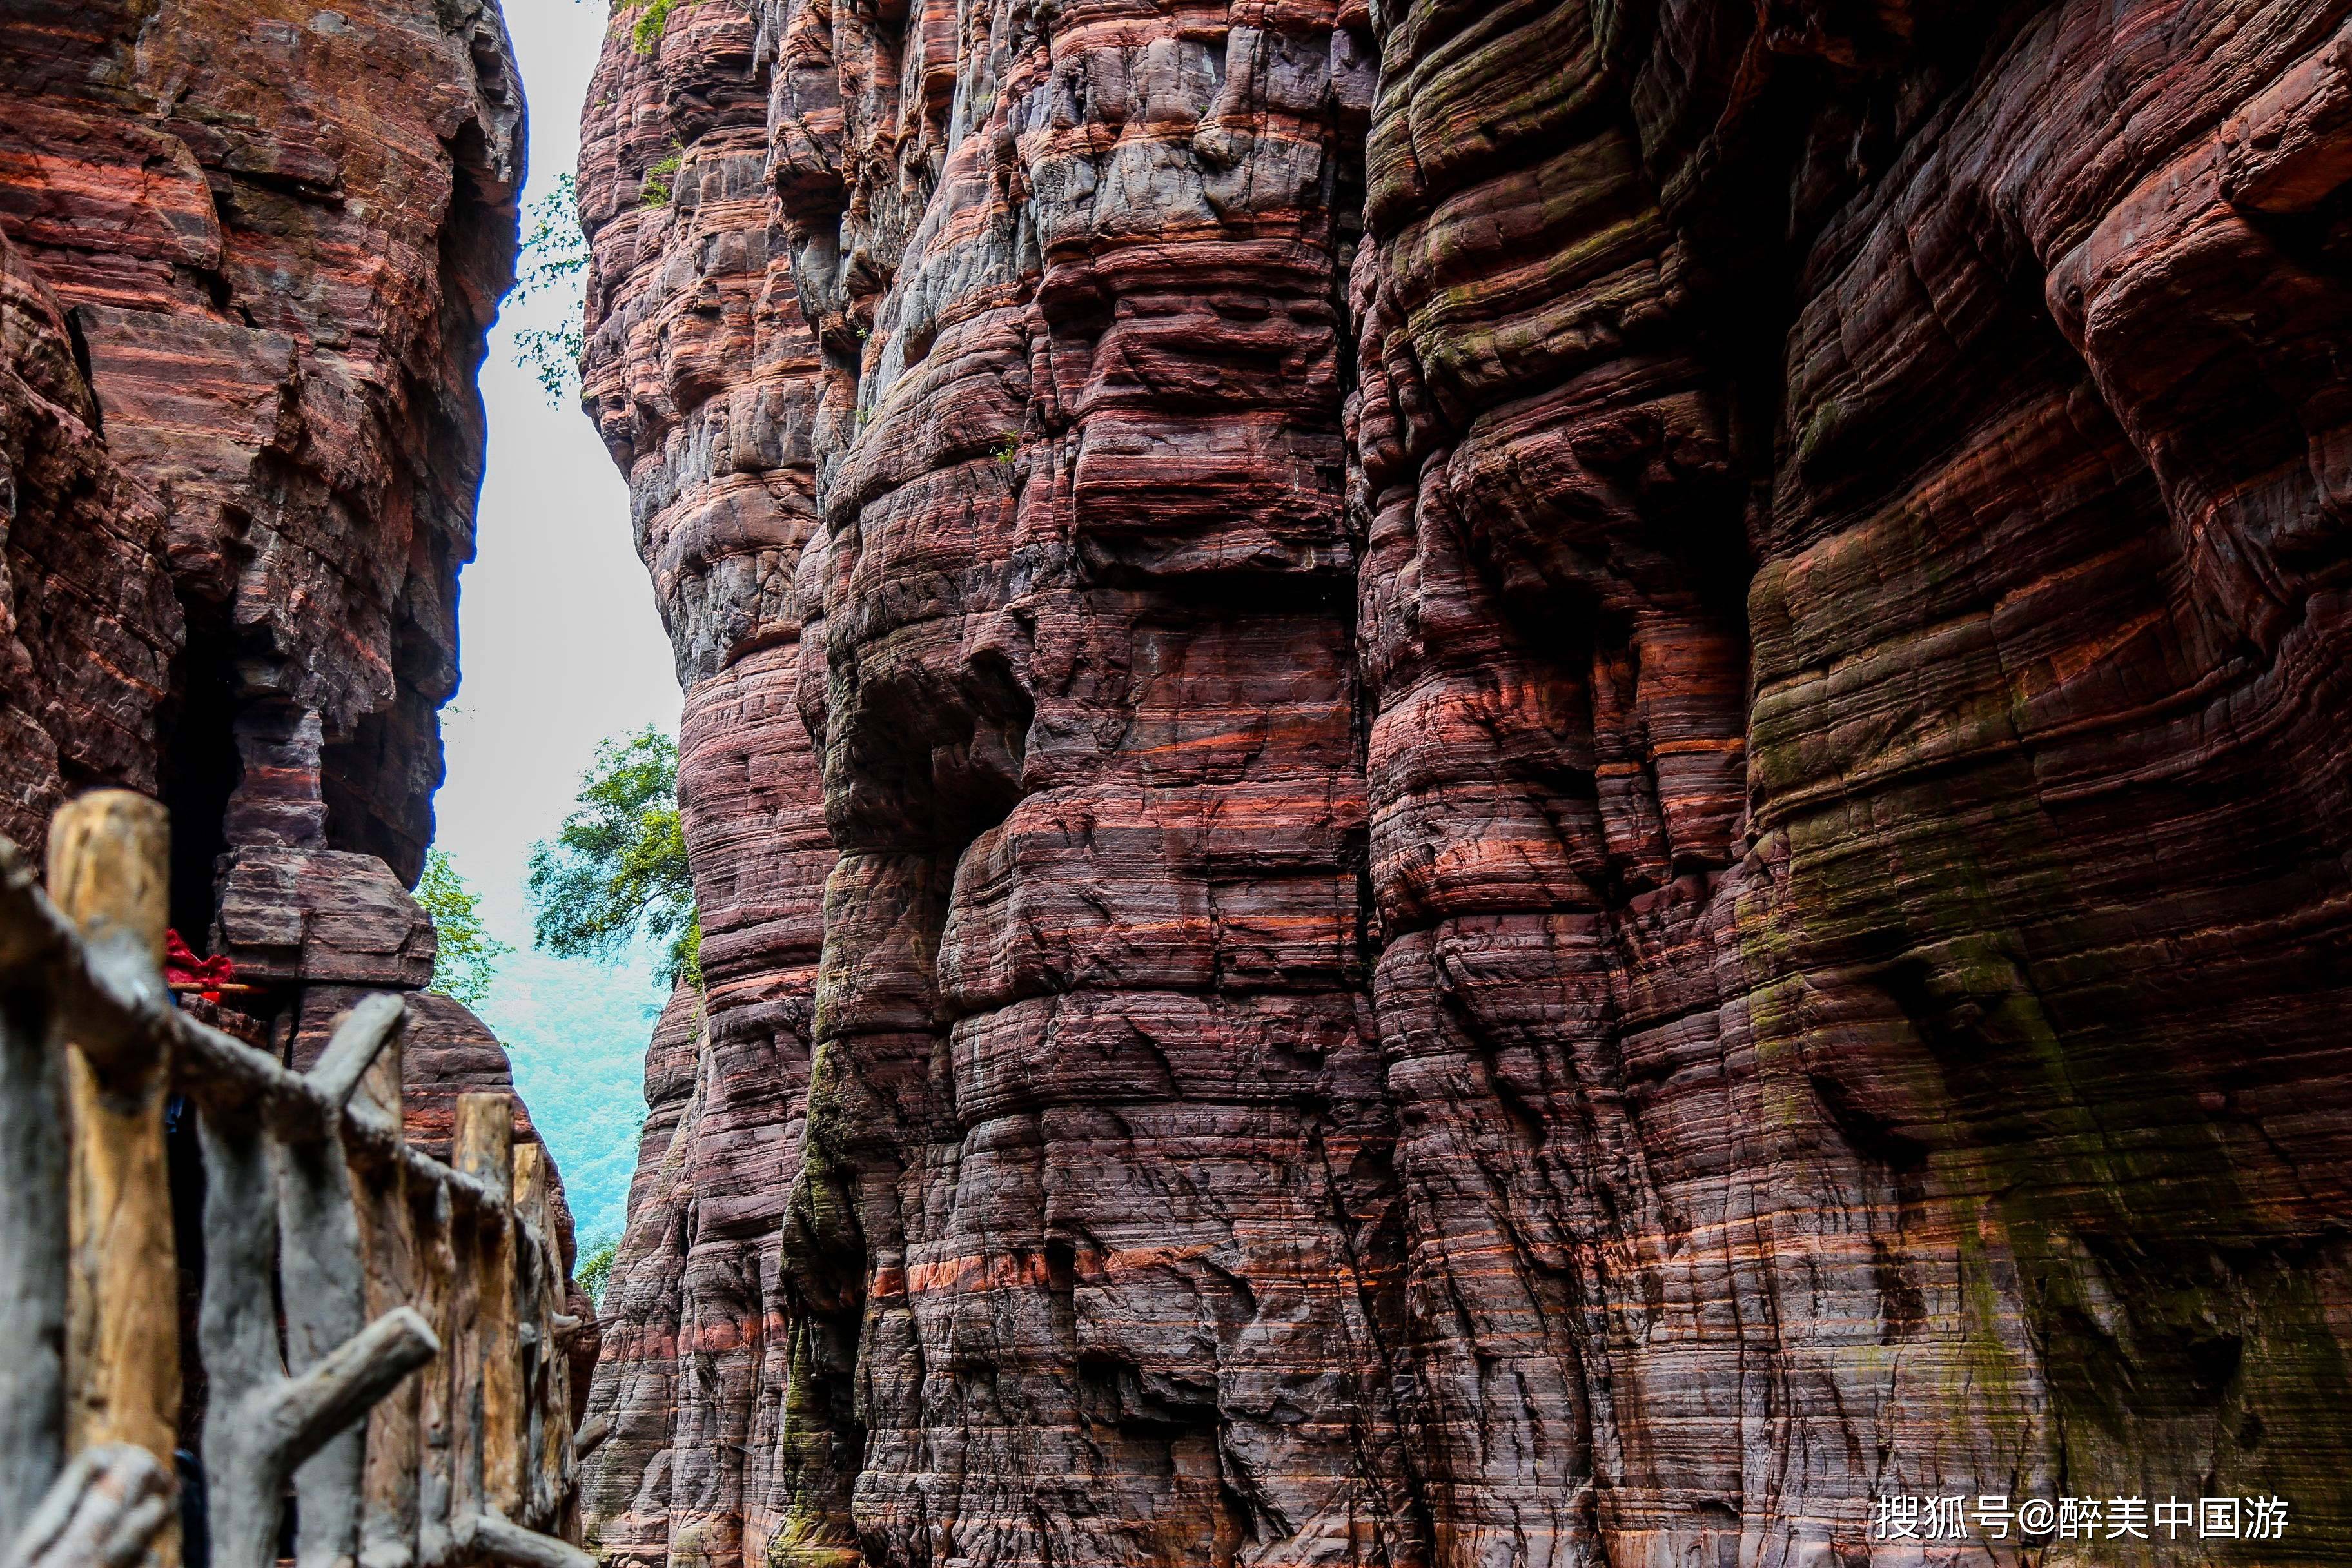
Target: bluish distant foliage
point(577, 1039)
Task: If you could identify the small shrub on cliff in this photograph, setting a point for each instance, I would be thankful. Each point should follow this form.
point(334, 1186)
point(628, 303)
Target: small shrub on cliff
point(656, 192)
point(554, 260)
point(469, 957)
point(652, 23)
point(617, 868)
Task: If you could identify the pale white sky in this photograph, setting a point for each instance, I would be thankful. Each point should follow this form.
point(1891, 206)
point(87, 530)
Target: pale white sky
point(561, 645)
point(559, 640)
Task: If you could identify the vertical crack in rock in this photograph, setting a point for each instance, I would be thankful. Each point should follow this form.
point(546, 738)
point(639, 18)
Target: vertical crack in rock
point(708, 385)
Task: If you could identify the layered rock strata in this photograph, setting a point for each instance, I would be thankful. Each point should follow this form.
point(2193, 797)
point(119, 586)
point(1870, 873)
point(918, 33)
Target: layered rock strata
point(88, 623)
point(276, 242)
point(1583, 775)
point(248, 255)
point(706, 384)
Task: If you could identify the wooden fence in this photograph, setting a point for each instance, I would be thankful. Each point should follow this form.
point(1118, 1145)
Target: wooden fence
point(336, 1262)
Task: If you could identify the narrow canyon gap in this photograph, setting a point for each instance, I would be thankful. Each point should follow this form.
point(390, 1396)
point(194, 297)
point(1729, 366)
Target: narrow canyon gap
point(1480, 785)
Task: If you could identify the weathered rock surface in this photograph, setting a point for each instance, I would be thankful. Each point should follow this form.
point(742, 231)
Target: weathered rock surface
point(88, 623)
point(1585, 775)
point(707, 381)
point(276, 237)
point(249, 254)
point(1904, 1126)
point(321, 916)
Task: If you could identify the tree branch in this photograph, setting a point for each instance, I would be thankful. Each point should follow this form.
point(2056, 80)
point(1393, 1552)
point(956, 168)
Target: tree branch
point(493, 1537)
point(308, 1410)
point(100, 1513)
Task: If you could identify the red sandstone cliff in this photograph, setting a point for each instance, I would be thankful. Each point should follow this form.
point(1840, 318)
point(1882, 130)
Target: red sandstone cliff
point(709, 387)
point(1579, 774)
point(249, 254)
point(279, 235)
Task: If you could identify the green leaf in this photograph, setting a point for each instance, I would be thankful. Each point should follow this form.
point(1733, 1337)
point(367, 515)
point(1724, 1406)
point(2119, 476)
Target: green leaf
point(555, 251)
point(654, 190)
point(554, 355)
point(555, 260)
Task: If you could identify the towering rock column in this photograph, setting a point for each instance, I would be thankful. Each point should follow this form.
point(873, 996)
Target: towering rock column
point(250, 253)
point(1092, 1248)
point(1866, 1136)
point(705, 378)
point(1553, 632)
point(1093, 1235)
point(1653, 851)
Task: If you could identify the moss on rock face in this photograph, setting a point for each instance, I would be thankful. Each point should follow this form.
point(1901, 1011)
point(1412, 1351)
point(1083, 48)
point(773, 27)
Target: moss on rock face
point(823, 1271)
point(818, 1452)
point(2131, 1321)
point(823, 1251)
point(808, 1540)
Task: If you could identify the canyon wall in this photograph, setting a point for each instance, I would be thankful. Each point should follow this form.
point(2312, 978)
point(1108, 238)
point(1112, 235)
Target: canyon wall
point(709, 388)
point(248, 255)
point(1475, 783)
point(280, 239)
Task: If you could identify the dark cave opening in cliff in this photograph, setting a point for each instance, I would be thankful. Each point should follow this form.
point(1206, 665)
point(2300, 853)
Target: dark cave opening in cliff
point(199, 773)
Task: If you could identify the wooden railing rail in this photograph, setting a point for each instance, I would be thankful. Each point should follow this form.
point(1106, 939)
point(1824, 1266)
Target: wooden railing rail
point(337, 1262)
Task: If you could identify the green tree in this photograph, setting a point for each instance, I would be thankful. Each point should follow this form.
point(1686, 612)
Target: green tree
point(469, 957)
point(596, 1270)
point(617, 868)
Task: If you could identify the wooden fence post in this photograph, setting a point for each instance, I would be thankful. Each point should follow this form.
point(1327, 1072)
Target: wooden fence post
point(261, 1425)
point(33, 1251)
point(239, 1345)
point(542, 1355)
point(319, 1226)
point(441, 1414)
point(110, 872)
point(485, 1151)
point(322, 1276)
point(321, 1283)
point(388, 1518)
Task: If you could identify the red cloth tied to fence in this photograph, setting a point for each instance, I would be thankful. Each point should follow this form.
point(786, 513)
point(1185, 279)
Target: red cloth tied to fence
point(183, 970)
